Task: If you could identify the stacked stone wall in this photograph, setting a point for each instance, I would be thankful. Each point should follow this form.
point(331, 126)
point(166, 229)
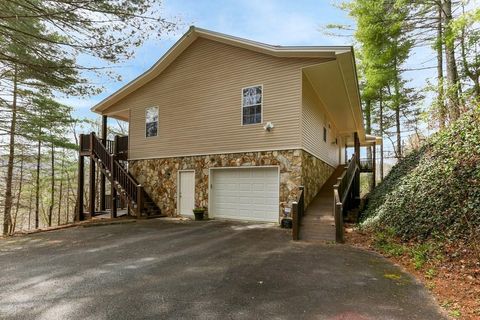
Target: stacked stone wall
point(297, 167)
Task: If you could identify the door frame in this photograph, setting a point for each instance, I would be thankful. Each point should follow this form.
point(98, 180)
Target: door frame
point(179, 186)
point(210, 198)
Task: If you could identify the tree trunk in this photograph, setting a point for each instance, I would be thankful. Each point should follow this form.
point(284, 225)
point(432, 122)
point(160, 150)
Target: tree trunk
point(368, 129)
point(37, 186)
point(368, 124)
point(17, 206)
point(399, 134)
point(472, 74)
point(398, 149)
point(381, 134)
point(476, 87)
point(30, 209)
point(52, 186)
point(60, 191)
point(68, 197)
point(452, 72)
point(440, 102)
point(7, 217)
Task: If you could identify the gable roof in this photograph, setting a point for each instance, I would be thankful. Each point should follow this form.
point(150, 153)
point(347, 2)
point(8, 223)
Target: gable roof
point(194, 33)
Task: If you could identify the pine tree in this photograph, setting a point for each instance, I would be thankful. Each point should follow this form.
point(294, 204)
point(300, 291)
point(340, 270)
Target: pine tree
point(39, 45)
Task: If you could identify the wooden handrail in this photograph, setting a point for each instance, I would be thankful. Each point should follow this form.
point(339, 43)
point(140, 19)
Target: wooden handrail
point(298, 209)
point(340, 194)
point(133, 190)
point(108, 144)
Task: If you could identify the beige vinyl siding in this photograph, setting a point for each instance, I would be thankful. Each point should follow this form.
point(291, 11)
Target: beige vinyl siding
point(199, 100)
point(314, 119)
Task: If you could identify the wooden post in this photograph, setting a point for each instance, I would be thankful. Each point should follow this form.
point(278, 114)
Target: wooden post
point(81, 182)
point(113, 191)
point(139, 201)
point(113, 201)
point(356, 145)
point(92, 187)
point(115, 145)
point(356, 186)
point(102, 176)
point(339, 233)
point(295, 220)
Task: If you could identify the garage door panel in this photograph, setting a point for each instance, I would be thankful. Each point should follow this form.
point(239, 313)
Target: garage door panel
point(258, 200)
point(258, 186)
point(245, 187)
point(271, 201)
point(245, 193)
point(271, 187)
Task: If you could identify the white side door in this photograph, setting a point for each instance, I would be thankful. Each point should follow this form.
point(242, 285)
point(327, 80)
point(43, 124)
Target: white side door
point(186, 192)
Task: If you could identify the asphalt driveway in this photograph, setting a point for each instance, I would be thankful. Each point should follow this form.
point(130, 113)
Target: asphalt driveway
point(159, 269)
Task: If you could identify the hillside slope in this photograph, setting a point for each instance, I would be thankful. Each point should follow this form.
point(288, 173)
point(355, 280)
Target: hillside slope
point(434, 193)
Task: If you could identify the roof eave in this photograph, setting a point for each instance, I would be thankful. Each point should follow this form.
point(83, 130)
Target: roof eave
point(192, 34)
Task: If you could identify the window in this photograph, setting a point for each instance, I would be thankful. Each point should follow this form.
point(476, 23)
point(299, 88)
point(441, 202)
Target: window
point(252, 105)
point(324, 134)
point(151, 122)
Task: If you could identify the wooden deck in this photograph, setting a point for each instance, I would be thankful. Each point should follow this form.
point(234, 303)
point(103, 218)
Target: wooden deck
point(318, 223)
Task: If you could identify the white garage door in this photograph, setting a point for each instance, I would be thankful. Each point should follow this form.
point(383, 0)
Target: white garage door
point(245, 194)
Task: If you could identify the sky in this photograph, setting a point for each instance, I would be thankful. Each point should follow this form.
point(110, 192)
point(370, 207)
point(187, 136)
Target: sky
point(275, 22)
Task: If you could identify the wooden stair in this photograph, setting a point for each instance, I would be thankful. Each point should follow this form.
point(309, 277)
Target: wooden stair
point(105, 159)
point(318, 222)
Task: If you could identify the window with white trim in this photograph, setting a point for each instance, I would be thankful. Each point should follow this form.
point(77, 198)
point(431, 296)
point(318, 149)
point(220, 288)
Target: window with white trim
point(252, 105)
point(151, 122)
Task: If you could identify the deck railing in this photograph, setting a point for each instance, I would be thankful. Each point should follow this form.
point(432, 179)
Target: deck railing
point(118, 146)
point(298, 209)
point(341, 191)
point(366, 164)
point(101, 151)
point(84, 143)
point(121, 144)
point(109, 145)
point(129, 186)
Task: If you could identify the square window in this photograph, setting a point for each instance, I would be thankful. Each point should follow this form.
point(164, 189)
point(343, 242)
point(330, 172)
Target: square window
point(252, 105)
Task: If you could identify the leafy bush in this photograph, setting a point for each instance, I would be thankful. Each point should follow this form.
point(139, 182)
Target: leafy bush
point(434, 192)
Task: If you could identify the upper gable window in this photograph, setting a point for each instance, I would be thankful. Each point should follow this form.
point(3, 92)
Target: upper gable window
point(252, 105)
point(151, 122)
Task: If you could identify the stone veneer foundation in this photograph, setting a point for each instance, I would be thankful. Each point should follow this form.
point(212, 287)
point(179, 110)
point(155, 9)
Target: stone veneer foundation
point(315, 173)
point(297, 167)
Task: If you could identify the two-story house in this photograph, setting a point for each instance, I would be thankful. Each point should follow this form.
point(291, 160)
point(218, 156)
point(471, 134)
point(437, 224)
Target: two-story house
point(236, 126)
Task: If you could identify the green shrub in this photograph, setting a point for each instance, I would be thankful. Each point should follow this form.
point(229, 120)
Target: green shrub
point(434, 192)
